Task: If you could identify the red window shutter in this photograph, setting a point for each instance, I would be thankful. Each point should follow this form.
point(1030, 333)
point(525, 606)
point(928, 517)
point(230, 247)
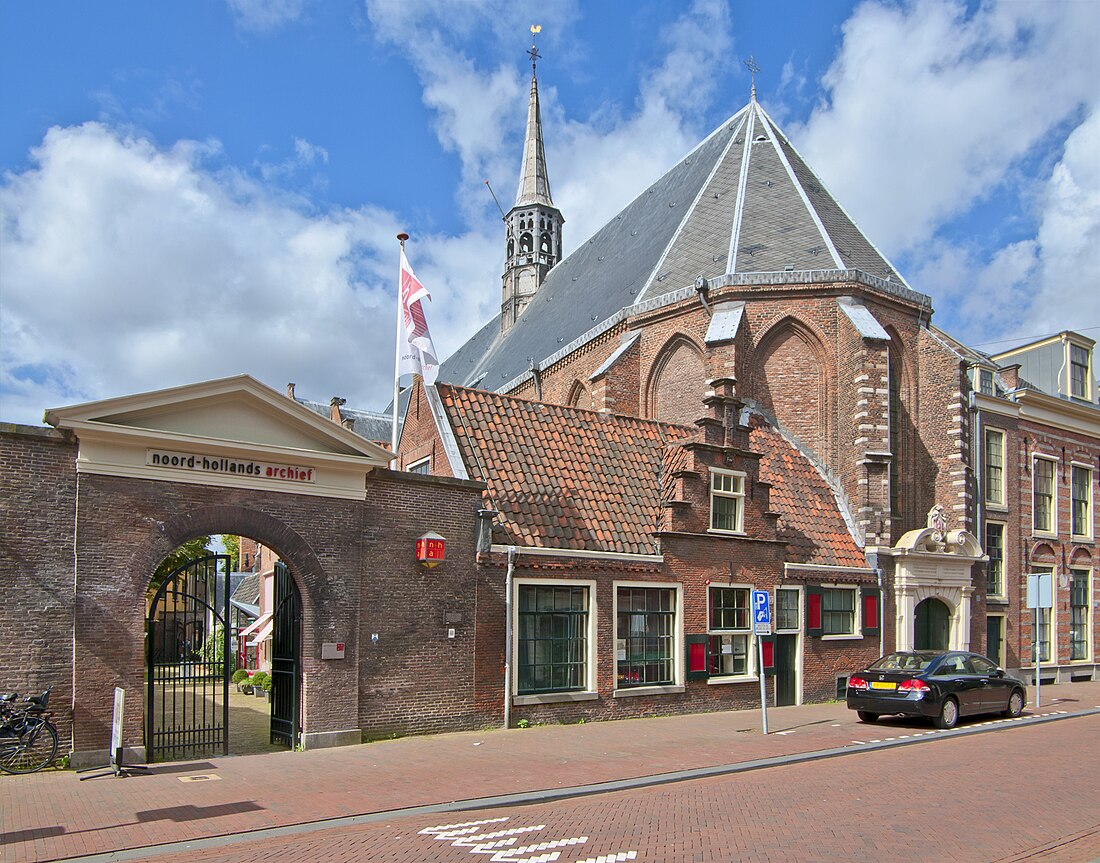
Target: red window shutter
point(871, 597)
point(813, 611)
point(698, 660)
point(769, 653)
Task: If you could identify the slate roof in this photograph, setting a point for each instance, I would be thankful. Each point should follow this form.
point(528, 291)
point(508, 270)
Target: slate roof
point(372, 425)
point(569, 478)
point(741, 204)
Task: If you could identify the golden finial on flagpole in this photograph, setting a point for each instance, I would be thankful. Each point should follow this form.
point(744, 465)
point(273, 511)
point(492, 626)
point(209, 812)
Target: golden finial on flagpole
point(401, 238)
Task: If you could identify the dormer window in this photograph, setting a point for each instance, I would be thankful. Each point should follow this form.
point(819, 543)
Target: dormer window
point(1078, 372)
point(985, 382)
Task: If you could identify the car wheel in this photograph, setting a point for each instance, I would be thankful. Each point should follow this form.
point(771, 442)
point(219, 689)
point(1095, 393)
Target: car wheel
point(948, 717)
point(1015, 704)
point(867, 716)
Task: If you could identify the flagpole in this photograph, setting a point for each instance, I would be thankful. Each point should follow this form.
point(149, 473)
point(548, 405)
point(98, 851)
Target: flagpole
point(397, 355)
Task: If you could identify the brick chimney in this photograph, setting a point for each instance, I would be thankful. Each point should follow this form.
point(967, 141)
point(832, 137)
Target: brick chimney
point(334, 409)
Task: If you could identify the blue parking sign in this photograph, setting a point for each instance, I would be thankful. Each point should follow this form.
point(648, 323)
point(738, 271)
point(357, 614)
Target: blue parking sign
point(761, 607)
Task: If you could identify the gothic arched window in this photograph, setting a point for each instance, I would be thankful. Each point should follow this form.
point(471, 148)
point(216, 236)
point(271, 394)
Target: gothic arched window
point(545, 245)
point(525, 243)
point(511, 247)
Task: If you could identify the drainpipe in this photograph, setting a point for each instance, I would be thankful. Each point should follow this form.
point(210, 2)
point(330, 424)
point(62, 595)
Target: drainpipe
point(508, 636)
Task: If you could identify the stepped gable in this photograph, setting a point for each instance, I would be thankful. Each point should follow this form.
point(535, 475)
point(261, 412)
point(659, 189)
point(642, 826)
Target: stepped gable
point(743, 203)
point(564, 477)
point(810, 519)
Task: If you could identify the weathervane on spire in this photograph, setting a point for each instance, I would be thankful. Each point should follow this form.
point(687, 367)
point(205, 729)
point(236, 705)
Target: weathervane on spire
point(534, 52)
point(750, 64)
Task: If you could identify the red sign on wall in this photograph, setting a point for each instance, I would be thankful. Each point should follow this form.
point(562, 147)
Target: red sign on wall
point(431, 549)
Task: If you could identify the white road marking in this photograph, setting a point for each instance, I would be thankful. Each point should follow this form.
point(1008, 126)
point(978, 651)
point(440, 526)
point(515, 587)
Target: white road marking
point(621, 857)
point(454, 827)
point(513, 855)
point(468, 841)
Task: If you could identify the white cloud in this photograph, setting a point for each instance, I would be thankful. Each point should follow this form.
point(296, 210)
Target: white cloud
point(932, 108)
point(264, 16)
point(128, 267)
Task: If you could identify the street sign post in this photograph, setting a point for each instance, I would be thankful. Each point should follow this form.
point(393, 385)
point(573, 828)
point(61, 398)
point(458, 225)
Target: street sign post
point(1040, 594)
point(762, 625)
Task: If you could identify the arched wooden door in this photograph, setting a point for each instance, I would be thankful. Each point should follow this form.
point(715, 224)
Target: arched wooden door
point(931, 625)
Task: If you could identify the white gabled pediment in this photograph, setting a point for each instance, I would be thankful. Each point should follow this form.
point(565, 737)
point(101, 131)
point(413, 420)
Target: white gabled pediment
point(230, 432)
point(238, 409)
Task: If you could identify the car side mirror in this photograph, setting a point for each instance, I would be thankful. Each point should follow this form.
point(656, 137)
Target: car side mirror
point(997, 672)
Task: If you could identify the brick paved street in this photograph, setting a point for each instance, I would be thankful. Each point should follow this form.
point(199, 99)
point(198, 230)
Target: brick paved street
point(50, 815)
point(1031, 793)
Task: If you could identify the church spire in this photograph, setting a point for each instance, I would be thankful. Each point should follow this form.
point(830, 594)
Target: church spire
point(534, 182)
point(533, 226)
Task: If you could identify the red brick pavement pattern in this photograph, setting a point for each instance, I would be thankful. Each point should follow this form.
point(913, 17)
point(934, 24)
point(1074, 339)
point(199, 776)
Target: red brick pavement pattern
point(51, 815)
point(985, 798)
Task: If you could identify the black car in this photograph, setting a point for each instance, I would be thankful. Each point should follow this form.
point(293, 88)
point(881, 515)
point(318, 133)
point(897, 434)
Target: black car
point(940, 686)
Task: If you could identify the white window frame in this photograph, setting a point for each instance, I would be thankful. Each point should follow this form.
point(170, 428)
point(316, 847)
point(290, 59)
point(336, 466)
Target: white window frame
point(589, 693)
point(1052, 529)
point(1074, 465)
point(999, 502)
point(800, 610)
point(677, 685)
point(1003, 594)
point(857, 614)
point(739, 496)
point(1052, 659)
point(1004, 637)
point(1090, 610)
point(422, 462)
point(1087, 394)
point(752, 657)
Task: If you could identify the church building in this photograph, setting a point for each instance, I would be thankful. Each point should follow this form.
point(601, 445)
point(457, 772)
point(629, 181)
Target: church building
point(729, 387)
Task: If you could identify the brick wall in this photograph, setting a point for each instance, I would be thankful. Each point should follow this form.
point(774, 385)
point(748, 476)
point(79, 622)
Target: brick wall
point(37, 511)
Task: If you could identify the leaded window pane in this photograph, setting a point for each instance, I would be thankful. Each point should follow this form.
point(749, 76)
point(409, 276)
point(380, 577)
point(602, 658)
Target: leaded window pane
point(994, 466)
point(645, 636)
point(1078, 372)
point(1044, 494)
point(553, 638)
point(1079, 614)
point(729, 654)
point(994, 547)
point(1081, 488)
point(786, 609)
point(729, 608)
point(838, 611)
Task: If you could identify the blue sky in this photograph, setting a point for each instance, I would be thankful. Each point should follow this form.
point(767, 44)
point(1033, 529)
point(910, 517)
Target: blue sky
point(192, 190)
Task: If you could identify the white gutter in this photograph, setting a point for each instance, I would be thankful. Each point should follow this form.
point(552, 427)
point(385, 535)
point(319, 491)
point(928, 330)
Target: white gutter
point(628, 557)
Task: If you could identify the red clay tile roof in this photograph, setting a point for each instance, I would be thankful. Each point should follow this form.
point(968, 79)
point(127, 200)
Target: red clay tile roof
point(810, 522)
point(564, 477)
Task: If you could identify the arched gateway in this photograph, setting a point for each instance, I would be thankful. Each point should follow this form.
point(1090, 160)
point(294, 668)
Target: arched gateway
point(233, 456)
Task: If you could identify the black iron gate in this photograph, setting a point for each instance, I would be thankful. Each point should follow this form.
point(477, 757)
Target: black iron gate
point(187, 706)
point(285, 636)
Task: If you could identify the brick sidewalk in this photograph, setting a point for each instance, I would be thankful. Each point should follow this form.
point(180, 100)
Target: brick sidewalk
point(51, 815)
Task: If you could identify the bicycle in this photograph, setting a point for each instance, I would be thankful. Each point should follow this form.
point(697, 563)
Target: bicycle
point(28, 739)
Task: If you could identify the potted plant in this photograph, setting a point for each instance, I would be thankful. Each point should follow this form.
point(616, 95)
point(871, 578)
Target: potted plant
point(267, 684)
point(258, 683)
point(239, 677)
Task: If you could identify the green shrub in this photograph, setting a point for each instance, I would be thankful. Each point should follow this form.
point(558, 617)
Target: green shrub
point(239, 676)
point(268, 683)
point(258, 679)
point(213, 649)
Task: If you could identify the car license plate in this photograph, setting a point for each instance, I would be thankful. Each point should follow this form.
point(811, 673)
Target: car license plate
point(883, 684)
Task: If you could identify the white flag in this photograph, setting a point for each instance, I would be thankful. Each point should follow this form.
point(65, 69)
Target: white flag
point(416, 353)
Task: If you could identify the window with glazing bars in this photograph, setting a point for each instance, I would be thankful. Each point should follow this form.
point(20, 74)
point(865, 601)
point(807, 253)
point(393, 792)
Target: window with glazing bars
point(838, 611)
point(1043, 495)
point(985, 382)
point(995, 569)
point(1081, 491)
point(552, 639)
point(727, 495)
point(1078, 372)
point(786, 609)
point(994, 466)
point(729, 623)
point(645, 636)
point(1079, 614)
